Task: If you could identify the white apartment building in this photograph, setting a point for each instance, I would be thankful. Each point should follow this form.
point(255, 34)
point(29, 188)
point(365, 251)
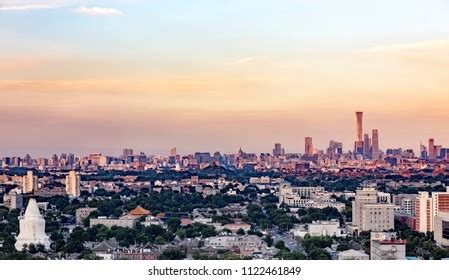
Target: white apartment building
point(427, 208)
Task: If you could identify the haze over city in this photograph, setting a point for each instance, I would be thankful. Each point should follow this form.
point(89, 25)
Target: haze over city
point(219, 75)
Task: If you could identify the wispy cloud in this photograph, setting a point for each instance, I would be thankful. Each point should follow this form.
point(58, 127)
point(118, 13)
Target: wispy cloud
point(244, 60)
point(99, 11)
point(26, 7)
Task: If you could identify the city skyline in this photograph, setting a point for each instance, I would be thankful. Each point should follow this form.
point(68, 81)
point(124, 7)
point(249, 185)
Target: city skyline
point(159, 76)
point(279, 148)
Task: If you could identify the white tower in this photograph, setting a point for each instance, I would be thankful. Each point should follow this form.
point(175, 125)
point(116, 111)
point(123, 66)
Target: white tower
point(32, 228)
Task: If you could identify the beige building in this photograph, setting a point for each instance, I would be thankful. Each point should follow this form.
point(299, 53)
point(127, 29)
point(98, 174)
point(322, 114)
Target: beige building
point(372, 210)
point(29, 182)
point(352, 254)
point(72, 184)
point(14, 199)
point(377, 217)
point(125, 223)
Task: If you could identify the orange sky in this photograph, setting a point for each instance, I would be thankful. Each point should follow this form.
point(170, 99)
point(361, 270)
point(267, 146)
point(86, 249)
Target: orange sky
point(57, 96)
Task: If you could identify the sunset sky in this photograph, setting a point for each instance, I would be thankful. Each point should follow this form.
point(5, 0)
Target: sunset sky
point(208, 75)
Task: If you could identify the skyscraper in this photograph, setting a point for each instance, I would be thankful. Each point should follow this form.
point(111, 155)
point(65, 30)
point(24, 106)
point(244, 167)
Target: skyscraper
point(127, 152)
point(423, 151)
point(359, 126)
point(335, 149)
point(277, 151)
point(358, 145)
point(366, 146)
point(432, 149)
point(308, 147)
point(375, 144)
point(72, 184)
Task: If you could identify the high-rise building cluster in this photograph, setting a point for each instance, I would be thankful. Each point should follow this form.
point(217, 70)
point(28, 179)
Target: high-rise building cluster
point(366, 146)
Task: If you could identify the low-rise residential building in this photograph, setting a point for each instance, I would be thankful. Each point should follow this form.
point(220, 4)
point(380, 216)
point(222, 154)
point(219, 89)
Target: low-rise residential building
point(244, 245)
point(386, 246)
point(353, 255)
point(108, 222)
point(234, 227)
point(325, 228)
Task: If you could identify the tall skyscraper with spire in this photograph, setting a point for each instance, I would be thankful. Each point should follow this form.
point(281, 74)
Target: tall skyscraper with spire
point(358, 146)
point(359, 126)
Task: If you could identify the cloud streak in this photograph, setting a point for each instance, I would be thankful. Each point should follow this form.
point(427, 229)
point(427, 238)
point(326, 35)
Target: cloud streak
point(98, 11)
point(26, 7)
point(244, 60)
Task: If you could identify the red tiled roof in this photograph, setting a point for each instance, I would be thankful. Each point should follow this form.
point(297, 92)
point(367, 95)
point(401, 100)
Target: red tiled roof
point(139, 211)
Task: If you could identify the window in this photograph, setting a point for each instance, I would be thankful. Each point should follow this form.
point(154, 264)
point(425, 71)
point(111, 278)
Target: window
point(445, 229)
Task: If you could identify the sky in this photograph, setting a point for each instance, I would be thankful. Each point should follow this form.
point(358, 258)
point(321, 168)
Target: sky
point(217, 75)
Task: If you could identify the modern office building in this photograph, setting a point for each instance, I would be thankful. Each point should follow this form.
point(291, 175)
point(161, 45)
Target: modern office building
point(432, 154)
point(335, 149)
point(277, 151)
point(366, 146)
point(375, 152)
point(308, 146)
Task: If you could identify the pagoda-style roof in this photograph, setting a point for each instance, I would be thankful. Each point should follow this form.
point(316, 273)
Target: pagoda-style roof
point(139, 211)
